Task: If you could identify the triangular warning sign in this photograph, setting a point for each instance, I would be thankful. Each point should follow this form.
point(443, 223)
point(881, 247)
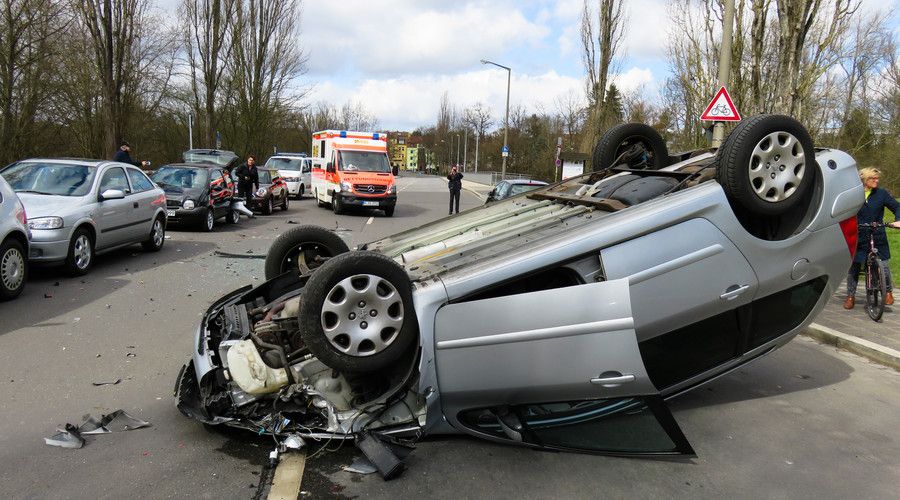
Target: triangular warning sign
point(721, 109)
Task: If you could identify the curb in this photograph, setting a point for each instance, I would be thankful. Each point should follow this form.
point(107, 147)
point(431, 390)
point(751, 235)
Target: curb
point(865, 348)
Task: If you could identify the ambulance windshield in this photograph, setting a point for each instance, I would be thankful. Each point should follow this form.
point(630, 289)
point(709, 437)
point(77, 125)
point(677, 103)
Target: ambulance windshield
point(363, 161)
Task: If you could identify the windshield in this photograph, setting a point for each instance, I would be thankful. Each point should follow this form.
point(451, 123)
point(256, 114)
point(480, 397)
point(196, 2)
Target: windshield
point(521, 188)
point(265, 177)
point(364, 161)
point(220, 158)
point(183, 177)
point(50, 178)
point(294, 164)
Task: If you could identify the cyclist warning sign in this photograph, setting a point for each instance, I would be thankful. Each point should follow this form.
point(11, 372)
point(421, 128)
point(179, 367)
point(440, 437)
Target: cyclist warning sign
point(721, 109)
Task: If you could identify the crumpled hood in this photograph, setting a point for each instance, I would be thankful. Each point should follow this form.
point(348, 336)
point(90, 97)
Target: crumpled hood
point(44, 205)
point(180, 194)
point(383, 178)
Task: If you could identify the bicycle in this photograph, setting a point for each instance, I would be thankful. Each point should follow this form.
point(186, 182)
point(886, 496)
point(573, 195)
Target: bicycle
point(876, 288)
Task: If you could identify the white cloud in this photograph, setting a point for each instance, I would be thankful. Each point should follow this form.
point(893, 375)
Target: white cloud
point(633, 79)
point(394, 37)
point(646, 29)
point(410, 102)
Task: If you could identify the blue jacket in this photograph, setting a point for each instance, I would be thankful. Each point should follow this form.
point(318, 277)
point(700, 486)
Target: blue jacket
point(124, 157)
point(873, 211)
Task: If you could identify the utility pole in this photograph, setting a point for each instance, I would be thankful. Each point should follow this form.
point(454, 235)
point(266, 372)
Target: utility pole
point(506, 119)
point(724, 65)
point(465, 147)
point(476, 152)
point(190, 130)
point(457, 149)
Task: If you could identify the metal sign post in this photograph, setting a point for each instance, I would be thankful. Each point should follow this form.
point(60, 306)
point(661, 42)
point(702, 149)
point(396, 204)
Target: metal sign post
point(724, 64)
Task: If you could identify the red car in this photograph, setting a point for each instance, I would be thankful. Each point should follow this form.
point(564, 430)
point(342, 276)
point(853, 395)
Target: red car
point(272, 192)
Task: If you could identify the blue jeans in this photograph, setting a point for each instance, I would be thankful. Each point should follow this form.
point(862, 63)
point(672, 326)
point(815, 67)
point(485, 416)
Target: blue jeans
point(853, 277)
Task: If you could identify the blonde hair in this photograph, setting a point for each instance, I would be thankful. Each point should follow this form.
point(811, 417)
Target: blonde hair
point(869, 172)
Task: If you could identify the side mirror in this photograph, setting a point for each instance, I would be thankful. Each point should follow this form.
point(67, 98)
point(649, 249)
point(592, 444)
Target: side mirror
point(112, 194)
point(329, 167)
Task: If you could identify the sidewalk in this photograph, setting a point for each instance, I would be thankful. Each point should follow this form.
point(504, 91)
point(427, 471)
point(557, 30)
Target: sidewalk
point(854, 331)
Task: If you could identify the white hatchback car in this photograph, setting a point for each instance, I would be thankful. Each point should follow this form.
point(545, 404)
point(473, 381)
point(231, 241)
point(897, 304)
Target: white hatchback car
point(295, 169)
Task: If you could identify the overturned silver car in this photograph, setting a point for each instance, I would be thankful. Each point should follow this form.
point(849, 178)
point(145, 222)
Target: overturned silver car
point(560, 318)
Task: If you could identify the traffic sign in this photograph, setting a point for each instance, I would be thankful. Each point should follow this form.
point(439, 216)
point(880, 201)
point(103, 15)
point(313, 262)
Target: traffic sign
point(505, 149)
point(721, 108)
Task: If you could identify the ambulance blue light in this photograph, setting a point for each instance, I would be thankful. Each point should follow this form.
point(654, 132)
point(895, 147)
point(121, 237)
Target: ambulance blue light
point(375, 136)
point(343, 134)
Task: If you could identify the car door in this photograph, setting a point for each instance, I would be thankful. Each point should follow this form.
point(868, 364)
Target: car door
point(113, 217)
point(500, 360)
point(306, 173)
point(218, 192)
point(142, 198)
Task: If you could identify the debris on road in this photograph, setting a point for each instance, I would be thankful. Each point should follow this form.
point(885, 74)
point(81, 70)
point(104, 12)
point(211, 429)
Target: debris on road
point(117, 421)
point(360, 465)
point(239, 255)
point(112, 382)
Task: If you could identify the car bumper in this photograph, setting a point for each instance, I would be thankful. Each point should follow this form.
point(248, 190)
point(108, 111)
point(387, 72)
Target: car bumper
point(177, 216)
point(49, 245)
point(352, 200)
point(293, 187)
point(257, 203)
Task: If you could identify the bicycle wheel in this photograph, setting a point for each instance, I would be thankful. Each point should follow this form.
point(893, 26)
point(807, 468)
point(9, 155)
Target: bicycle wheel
point(875, 288)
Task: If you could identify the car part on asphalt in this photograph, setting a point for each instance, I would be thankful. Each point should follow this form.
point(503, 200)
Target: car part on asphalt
point(302, 249)
point(559, 319)
point(635, 145)
point(117, 421)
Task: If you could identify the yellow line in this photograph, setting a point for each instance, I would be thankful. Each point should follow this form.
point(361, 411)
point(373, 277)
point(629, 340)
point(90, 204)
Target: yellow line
point(288, 475)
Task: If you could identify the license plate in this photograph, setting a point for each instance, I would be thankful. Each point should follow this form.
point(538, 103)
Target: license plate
point(170, 213)
point(370, 203)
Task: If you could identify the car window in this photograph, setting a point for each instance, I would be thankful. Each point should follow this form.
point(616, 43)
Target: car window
point(307, 166)
point(363, 161)
point(50, 178)
point(265, 177)
point(180, 177)
point(781, 312)
point(284, 163)
point(114, 178)
point(521, 188)
point(502, 190)
point(139, 181)
point(215, 177)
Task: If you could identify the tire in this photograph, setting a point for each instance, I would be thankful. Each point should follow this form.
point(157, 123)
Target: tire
point(875, 288)
point(80, 257)
point(766, 164)
point(233, 217)
point(208, 223)
point(340, 298)
point(303, 248)
point(615, 146)
point(157, 238)
point(269, 207)
point(336, 206)
point(13, 269)
point(301, 192)
point(389, 212)
point(284, 205)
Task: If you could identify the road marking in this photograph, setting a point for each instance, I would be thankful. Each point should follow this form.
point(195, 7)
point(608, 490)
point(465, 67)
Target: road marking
point(288, 474)
point(370, 220)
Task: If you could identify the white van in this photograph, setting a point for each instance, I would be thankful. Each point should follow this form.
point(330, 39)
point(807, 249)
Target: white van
point(295, 169)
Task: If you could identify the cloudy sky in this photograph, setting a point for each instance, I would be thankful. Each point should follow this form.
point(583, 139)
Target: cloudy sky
point(398, 57)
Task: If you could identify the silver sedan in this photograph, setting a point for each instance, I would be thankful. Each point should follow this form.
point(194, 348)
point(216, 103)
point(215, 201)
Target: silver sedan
point(80, 208)
point(14, 237)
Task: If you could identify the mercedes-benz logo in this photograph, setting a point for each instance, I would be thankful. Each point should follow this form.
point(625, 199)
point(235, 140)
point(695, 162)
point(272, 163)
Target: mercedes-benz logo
point(371, 189)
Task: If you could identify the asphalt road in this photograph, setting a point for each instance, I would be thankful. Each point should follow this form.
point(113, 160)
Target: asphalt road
point(807, 421)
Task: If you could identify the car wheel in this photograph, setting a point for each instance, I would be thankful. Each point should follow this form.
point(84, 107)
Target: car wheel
point(319, 202)
point(389, 212)
point(336, 206)
point(635, 144)
point(766, 164)
point(233, 217)
point(209, 221)
point(284, 206)
point(300, 192)
point(157, 236)
point(13, 269)
point(302, 249)
point(268, 207)
point(81, 252)
point(356, 312)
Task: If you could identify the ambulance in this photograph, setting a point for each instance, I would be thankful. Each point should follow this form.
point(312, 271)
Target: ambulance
point(352, 169)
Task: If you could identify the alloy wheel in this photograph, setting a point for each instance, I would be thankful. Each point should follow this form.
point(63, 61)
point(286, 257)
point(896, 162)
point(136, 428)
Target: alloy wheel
point(158, 233)
point(82, 251)
point(362, 315)
point(12, 269)
point(777, 165)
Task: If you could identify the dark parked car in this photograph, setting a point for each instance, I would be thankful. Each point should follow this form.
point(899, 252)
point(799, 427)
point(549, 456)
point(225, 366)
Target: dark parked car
point(272, 192)
point(197, 194)
point(512, 187)
point(225, 159)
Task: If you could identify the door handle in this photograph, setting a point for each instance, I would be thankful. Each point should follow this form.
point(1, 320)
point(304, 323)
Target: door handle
point(733, 291)
point(613, 381)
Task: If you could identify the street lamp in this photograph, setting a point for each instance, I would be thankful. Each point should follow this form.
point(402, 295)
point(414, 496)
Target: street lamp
point(505, 120)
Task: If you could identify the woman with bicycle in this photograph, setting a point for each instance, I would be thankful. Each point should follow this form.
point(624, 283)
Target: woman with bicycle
point(877, 200)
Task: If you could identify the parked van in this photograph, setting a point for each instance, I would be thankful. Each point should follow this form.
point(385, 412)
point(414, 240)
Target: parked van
point(352, 169)
point(295, 169)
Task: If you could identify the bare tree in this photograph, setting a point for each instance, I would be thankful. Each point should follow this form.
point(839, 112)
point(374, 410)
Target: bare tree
point(478, 118)
point(266, 60)
point(599, 53)
point(570, 111)
point(27, 32)
point(207, 37)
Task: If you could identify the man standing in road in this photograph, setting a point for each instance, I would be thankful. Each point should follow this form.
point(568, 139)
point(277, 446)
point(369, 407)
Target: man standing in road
point(455, 184)
point(248, 178)
point(123, 155)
